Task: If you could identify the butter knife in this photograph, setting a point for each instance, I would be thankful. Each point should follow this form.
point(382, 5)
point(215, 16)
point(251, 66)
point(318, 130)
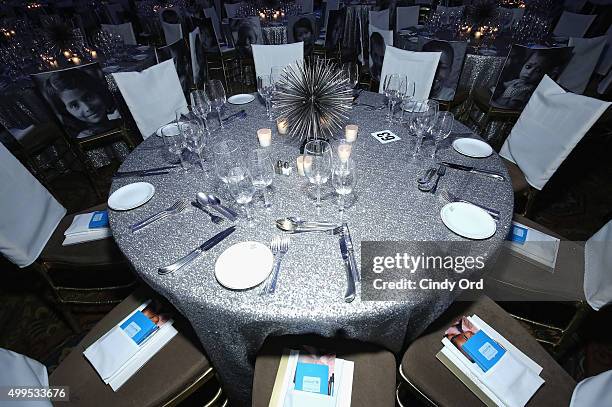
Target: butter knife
point(480, 171)
point(349, 295)
point(349, 245)
point(233, 116)
point(187, 259)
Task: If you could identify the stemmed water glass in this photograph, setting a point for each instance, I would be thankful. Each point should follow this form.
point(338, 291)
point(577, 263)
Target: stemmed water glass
point(241, 187)
point(441, 129)
point(201, 107)
point(317, 165)
point(194, 138)
point(226, 156)
point(407, 97)
point(423, 115)
point(174, 142)
point(344, 177)
point(261, 169)
point(265, 89)
point(216, 95)
point(391, 87)
point(351, 72)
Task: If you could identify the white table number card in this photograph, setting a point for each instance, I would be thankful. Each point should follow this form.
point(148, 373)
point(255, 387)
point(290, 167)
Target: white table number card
point(385, 136)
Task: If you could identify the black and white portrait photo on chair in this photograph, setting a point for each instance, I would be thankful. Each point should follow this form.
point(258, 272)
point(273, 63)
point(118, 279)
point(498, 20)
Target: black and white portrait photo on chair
point(179, 53)
point(452, 55)
point(302, 28)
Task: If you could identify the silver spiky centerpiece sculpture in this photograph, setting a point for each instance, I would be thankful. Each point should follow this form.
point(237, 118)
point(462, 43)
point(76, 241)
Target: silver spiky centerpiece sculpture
point(315, 98)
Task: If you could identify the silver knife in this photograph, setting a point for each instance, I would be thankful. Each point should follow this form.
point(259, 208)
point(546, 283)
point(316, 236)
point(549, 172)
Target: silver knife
point(232, 116)
point(207, 245)
point(349, 295)
point(486, 173)
point(349, 245)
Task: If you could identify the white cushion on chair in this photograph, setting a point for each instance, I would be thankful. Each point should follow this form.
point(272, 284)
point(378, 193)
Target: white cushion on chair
point(573, 25)
point(593, 391)
point(576, 75)
point(407, 17)
point(124, 30)
point(598, 267)
point(419, 67)
point(21, 371)
point(379, 19)
point(153, 95)
point(267, 56)
point(29, 214)
point(172, 32)
point(549, 128)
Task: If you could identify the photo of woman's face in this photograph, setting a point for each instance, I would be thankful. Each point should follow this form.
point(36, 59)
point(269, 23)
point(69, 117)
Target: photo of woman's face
point(303, 34)
point(84, 105)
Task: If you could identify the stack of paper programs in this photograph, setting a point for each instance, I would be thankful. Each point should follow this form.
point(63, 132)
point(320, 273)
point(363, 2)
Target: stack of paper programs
point(87, 227)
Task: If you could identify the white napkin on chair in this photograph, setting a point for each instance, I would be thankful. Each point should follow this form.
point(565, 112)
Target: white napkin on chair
point(153, 95)
point(419, 67)
point(598, 268)
point(21, 371)
point(576, 75)
point(549, 128)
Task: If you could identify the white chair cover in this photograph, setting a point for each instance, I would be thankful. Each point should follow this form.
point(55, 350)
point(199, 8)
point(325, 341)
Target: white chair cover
point(549, 128)
point(593, 391)
point(307, 6)
point(212, 14)
point(172, 32)
point(267, 56)
point(576, 75)
point(21, 371)
point(407, 17)
point(605, 62)
point(379, 19)
point(124, 30)
point(195, 64)
point(232, 9)
point(29, 214)
point(573, 25)
point(153, 95)
point(598, 268)
point(419, 67)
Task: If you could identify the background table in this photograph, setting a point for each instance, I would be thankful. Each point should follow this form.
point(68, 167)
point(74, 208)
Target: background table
point(232, 325)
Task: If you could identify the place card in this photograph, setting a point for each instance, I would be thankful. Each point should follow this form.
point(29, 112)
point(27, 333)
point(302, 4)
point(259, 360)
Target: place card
point(385, 136)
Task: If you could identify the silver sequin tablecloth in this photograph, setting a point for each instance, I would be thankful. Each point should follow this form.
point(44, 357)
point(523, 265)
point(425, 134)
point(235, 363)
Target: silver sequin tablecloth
point(232, 325)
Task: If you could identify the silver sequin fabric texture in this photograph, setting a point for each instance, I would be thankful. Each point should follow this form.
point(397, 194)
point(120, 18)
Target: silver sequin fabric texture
point(387, 206)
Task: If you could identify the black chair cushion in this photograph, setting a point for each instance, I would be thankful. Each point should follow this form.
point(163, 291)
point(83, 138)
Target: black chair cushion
point(519, 182)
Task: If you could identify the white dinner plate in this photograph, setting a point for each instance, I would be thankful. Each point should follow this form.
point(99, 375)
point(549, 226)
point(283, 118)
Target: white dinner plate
point(244, 265)
point(143, 47)
point(472, 147)
point(131, 196)
point(170, 128)
point(140, 57)
point(468, 220)
point(241, 99)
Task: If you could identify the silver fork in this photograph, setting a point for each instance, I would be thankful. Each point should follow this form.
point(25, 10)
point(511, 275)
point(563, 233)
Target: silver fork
point(279, 246)
point(177, 207)
point(452, 198)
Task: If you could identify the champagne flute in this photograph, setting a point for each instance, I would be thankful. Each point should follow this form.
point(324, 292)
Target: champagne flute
point(391, 88)
point(194, 138)
point(216, 95)
point(261, 169)
point(441, 129)
point(241, 188)
point(174, 142)
point(344, 177)
point(201, 107)
point(264, 87)
point(317, 165)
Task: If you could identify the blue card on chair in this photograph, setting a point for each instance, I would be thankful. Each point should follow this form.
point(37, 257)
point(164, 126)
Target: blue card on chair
point(483, 350)
point(99, 219)
point(139, 327)
point(312, 378)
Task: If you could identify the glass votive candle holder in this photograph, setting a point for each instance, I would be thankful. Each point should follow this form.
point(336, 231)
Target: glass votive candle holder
point(265, 137)
point(350, 132)
point(282, 125)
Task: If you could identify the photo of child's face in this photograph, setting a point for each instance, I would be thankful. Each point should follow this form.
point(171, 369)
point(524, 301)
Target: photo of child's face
point(84, 105)
point(534, 69)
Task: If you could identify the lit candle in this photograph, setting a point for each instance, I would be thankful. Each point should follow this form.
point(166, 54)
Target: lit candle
point(350, 132)
point(76, 60)
point(477, 35)
point(307, 164)
point(300, 165)
point(67, 54)
point(94, 54)
point(282, 125)
point(265, 137)
point(344, 152)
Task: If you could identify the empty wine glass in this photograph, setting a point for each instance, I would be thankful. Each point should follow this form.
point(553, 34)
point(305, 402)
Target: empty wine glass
point(407, 98)
point(174, 142)
point(241, 188)
point(423, 114)
point(261, 169)
point(265, 89)
point(201, 107)
point(276, 74)
point(216, 95)
point(351, 71)
point(194, 138)
point(441, 129)
point(344, 177)
point(391, 87)
point(317, 165)
point(226, 156)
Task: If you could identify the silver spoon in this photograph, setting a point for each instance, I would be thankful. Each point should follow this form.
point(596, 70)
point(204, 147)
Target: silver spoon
point(291, 226)
point(215, 202)
point(214, 218)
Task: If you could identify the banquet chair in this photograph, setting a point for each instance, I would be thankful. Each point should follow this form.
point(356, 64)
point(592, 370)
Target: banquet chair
point(307, 6)
point(379, 19)
point(579, 282)
point(418, 67)
point(577, 73)
point(435, 385)
point(267, 56)
point(548, 129)
point(573, 25)
point(178, 52)
point(214, 17)
point(124, 30)
point(232, 9)
point(374, 376)
point(152, 95)
point(605, 62)
point(178, 370)
point(172, 32)
point(93, 273)
point(407, 17)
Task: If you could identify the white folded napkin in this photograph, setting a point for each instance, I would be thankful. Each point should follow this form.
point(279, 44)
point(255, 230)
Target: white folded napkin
point(593, 391)
point(598, 267)
point(21, 371)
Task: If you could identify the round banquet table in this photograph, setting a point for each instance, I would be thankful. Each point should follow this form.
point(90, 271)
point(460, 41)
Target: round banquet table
point(232, 325)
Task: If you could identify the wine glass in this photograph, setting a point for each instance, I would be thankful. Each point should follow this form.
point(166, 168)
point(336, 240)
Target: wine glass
point(317, 165)
point(201, 107)
point(174, 142)
point(194, 138)
point(441, 129)
point(422, 119)
point(407, 97)
point(391, 88)
point(241, 188)
point(276, 74)
point(265, 88)
point(226, 156)
point(216, 95)
point(351, 71)
point(344, 177)
point(261, 169)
